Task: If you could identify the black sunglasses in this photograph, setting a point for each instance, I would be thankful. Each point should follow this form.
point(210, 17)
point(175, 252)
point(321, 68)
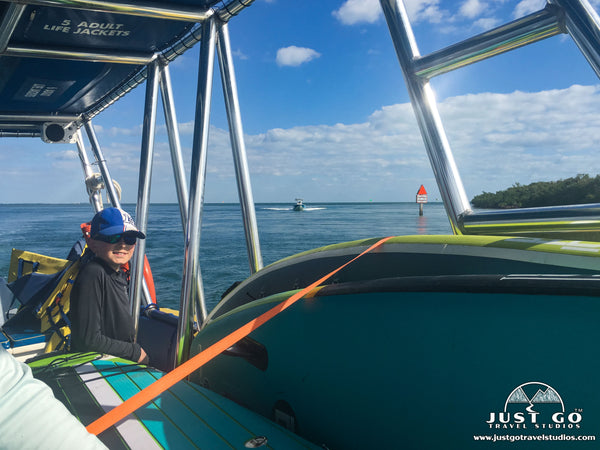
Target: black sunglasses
point(129, 239)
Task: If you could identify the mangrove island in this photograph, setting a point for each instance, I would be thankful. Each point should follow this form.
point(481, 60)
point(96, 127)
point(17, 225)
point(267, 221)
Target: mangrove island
point(572, 191)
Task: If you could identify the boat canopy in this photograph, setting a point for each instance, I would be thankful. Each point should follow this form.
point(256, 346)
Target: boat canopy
point(92, 53)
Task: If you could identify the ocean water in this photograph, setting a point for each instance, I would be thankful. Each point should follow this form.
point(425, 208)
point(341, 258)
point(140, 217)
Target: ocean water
point(52, 230)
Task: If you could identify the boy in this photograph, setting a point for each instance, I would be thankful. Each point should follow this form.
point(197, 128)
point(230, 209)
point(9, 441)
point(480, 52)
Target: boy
point(101, 318)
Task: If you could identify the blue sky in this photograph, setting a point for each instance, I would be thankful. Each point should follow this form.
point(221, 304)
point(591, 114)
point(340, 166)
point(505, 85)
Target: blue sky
point(327, 117)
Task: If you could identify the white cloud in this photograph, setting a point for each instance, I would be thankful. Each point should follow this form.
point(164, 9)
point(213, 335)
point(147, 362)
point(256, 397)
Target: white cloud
point(186, 128)
point(358, 11)
point(295, 56)
point(425, 10)
point(239, 54)
point(525, 7)
point(64, 155)
point(486, 23)
point(354, 12)
point(117, 131)
point(472, 8)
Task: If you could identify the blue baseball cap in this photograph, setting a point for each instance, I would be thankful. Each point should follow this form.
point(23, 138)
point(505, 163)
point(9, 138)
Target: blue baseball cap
point(111, 221)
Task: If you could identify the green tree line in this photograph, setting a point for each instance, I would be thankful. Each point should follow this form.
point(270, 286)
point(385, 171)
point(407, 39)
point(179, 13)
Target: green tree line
point(572, 191)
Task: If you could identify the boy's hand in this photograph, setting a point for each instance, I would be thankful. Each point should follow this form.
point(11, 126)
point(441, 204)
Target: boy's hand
point(143, 358)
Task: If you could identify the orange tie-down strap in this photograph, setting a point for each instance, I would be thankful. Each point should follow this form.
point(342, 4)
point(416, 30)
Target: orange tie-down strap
point(179, 373)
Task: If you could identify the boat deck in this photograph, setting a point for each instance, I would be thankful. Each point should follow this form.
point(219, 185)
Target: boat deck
point(185, 416)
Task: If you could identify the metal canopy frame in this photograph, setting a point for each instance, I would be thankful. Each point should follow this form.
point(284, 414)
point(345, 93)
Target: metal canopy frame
point(212, 33)
point(574, 17)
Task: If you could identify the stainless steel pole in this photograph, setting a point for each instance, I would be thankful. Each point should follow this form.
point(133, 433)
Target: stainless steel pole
point(95, 196)
point(131, 8)
point(176, 157)
point(239, 149)
point(190, 288)
point(110, 188)
point(174, 142)
point(428, 118)
point(9, 22)
point(527, 30)
point(143, 199)
point(583, 24)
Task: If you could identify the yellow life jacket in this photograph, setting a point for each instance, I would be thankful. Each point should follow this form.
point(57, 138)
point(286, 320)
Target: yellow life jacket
point(53, 311)
point(23, 263)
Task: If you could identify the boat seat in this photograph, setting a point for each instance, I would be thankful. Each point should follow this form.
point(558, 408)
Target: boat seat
point(157, 334)
point(23, 340)
point(184, 416)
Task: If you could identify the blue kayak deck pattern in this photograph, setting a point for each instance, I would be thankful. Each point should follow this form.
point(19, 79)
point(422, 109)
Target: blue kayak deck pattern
point(185, 416)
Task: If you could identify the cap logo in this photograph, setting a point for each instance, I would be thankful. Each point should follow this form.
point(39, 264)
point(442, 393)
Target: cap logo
point(128, 224)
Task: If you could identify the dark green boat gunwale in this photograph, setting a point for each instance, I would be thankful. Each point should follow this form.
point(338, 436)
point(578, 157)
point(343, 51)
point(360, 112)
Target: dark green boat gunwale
point(405, 256)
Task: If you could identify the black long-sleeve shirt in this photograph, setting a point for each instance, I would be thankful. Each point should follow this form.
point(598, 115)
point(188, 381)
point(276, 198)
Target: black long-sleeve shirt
point(101, 318)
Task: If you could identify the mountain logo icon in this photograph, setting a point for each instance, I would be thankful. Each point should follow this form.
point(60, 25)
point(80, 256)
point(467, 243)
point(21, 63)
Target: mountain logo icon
point(534, 392)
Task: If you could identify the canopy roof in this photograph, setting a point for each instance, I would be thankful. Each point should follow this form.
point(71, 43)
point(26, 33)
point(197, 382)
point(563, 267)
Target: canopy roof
point(65, 61)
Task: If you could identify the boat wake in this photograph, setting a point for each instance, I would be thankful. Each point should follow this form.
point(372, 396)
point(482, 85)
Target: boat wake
point(291, 209)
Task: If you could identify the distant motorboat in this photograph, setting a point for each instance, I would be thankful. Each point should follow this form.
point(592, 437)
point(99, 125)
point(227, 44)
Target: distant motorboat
point(299, 206)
